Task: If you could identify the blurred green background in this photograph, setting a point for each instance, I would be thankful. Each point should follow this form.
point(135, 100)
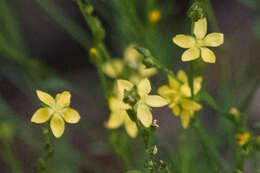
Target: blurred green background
point(44, 45)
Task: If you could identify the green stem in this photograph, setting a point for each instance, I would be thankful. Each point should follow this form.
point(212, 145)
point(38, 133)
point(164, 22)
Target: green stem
point(47, 154)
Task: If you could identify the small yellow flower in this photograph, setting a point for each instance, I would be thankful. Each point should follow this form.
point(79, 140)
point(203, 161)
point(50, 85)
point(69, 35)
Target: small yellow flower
point(113, 68)
point(197, 46)
point(242, 138)
point(234, 111)
point(57, 110)
point(178, 94)
point(93, 51)
point(119, 116)
point(146, 101)
point(154, 16)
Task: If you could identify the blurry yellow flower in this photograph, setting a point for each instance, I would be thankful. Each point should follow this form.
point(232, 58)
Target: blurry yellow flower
point(113, 68)
point(154, 16)
point(119, 116)
point(93, 51)
point(197, 46)
point(178, 95)
point(234, 111)
point(146, 101)
point(242, 138)
point(57, 110)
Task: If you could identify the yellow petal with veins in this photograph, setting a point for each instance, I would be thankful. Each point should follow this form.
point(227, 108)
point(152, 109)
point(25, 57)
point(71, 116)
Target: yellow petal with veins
point(116, 119)
point(190, 54)
point(214, 39)
point(144, 115)
point(207, 55)
point(41, 115)
point(184, 41)
point(57, 126)
point(45, 98)
point(71, 115)
point(155, 101)
point(63, 98)
point(200, 28)
point(131, 127)
point(144, 87)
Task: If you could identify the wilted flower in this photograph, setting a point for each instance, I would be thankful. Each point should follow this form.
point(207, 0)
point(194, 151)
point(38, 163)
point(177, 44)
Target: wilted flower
point(56, 110)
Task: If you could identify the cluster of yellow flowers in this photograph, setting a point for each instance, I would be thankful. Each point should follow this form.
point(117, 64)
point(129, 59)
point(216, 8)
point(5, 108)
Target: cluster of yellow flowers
point(118, 108)
point(178, 94)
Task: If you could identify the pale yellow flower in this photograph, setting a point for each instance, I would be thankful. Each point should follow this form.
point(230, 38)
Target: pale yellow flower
point(57, 111)
point(178, 94)
point(197, 46)
point(113, 68)
point(154, 16)
point(242, 138)
point(119, 116)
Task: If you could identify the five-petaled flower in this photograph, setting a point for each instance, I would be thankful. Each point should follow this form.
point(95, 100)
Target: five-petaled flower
point(145, 102)
point(178, 94)
point(57, 110)
point(197, 46)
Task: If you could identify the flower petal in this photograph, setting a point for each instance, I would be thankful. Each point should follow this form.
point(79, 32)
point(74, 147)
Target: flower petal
point(207, 55)
point(200, 28)
point(185, 118)
point(116, 104)
point(176, 110)
point(174, 84)
point(41, 115)
point(123, 85)
point(147, 72)
point(190, 105)
point(185, 90)
point(214, 39)
point(57, 126)
point(155, 101)
point(144, 115)
point(113, 68)
point(131, 127)
point(71, 115)
point(63, 98)
point(190, 54)
point(181, 75)
point(144, 87)
point(45, 98)
point(184, 41)
point(197, 84)
point(116, 119)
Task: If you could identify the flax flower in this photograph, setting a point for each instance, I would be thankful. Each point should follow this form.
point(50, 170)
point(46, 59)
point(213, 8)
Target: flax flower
point(57, 111)
point(132, 61)
point(178, 94)
point(197, 44)
point(145, 102)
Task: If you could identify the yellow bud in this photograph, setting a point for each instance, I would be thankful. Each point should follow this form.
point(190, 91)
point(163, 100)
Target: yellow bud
point(234, 111)
point(155, 150)
point(242, 138)
point(154, 16)
point(93, 51)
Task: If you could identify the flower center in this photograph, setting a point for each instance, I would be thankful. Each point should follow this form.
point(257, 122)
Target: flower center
point(57, 108)
point(199, 42)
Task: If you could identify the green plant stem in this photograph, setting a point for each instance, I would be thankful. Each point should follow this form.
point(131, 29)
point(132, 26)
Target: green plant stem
point(8, 156)
point(47, 154)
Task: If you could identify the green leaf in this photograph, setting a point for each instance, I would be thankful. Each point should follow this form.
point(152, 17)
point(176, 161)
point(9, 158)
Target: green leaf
point(204, 96)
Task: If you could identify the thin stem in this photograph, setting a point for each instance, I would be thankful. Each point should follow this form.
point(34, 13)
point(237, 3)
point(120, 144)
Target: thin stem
point(47, 154)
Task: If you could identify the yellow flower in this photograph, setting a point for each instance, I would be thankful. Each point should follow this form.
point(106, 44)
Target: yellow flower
point(242, 138)
point(113, 68)
point(154, 16)
point(119, 116)
point(145, 102)
point(197, 46)
point(57, 110)
point(178, 94)
point(93, 51)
